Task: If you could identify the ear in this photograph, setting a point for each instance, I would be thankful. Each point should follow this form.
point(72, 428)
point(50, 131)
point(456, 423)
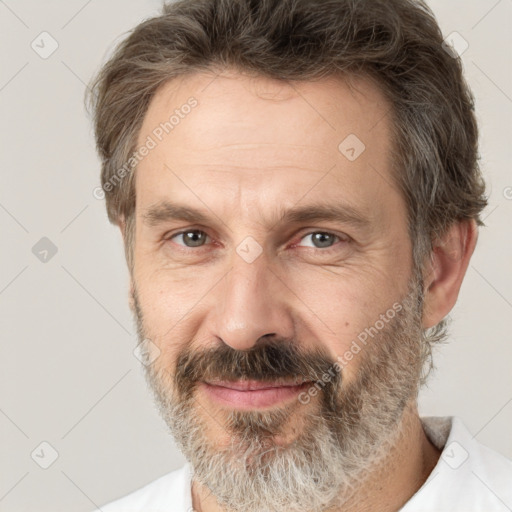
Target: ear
point(447, 267)
point(122, 226)
point(131, 301)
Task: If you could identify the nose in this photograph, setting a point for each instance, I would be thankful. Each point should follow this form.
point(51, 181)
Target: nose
point(251, 303)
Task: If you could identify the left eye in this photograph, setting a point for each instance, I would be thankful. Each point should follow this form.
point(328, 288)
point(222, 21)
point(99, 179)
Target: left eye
point(191, 238)
point(321, 239)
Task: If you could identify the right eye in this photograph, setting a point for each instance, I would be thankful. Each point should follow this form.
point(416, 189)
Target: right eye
point(190, 238)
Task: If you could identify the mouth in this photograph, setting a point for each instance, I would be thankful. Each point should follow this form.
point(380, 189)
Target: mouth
point(250, 394)
point(251, 385)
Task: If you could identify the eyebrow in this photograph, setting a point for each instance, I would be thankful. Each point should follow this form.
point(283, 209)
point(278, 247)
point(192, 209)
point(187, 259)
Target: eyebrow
point(165, 211)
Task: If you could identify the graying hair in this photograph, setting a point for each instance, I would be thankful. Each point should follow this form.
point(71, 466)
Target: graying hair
point(396, 43)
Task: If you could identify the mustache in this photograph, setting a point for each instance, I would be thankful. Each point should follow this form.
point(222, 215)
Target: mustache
point(273, 359)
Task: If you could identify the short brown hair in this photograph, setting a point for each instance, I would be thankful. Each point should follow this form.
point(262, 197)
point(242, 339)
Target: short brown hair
point(395, 42)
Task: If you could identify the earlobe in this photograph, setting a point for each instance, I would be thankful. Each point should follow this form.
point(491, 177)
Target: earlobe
point(443, 278)
point(122, 225)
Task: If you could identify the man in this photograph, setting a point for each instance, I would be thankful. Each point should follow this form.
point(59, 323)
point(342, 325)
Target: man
point(297, 187)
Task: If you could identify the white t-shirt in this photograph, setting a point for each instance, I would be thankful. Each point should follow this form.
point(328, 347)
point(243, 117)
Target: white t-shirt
point(468, 477)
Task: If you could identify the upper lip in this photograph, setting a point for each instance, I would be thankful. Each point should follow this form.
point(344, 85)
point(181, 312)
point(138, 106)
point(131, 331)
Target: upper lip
point(250, 385)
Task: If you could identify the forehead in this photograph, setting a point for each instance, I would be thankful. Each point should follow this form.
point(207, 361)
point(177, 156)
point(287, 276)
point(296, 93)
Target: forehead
point(255, 137)
point(331, 107)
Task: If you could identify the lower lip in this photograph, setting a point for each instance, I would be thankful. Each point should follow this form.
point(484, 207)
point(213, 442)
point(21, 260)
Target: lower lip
point(254, 398)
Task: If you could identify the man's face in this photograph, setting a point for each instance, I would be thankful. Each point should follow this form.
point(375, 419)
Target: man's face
point(249, 292)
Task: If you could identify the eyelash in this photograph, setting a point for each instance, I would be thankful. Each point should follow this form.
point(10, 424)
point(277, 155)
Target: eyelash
point(334, 247)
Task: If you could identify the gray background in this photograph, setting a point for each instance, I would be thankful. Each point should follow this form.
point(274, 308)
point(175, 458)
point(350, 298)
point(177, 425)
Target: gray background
point(68, 374)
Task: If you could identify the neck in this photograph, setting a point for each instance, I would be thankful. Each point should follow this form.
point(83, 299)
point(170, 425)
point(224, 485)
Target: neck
point(405, 469)
point(388, 486)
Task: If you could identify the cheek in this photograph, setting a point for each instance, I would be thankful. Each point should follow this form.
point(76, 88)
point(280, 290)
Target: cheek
point(168, 295)
point(340, 309)
point(343, 299)
point(169, 308)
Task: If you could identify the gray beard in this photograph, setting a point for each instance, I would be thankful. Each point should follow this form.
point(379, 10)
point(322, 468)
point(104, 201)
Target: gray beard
point(346, 434)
